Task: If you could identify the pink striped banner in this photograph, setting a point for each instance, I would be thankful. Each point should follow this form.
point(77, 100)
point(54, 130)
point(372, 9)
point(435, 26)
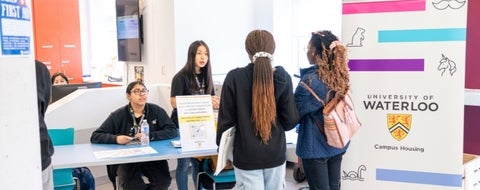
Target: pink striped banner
point(383, 6)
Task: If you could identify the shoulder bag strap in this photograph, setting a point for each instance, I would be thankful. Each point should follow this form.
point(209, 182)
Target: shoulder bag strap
point(317, 123)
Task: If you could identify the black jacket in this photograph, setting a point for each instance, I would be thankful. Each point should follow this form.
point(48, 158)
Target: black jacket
point(43, 98)
point(249, 152)
point(120, 121)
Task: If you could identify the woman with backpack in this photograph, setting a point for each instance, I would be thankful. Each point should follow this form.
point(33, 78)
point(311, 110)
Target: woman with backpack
point(329, 71)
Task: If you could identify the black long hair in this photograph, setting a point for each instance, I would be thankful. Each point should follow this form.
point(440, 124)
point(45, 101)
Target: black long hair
point(189, 69)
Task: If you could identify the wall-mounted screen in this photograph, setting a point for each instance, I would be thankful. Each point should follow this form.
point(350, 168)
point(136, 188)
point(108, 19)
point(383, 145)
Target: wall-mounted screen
point(129, 30)
point(127, 27)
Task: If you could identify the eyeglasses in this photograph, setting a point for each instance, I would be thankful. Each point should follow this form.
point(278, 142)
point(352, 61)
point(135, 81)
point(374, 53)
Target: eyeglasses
point(140, 92)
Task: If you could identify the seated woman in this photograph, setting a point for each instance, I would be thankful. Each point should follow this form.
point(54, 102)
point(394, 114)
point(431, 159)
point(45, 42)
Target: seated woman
point(123, 126)
point(59, 78)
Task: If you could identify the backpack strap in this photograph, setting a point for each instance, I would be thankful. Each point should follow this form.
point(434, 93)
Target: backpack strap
point(317, 123)
point(312, 92)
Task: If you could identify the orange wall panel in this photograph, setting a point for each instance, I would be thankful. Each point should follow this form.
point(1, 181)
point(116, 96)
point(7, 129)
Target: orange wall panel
point(70, 50)
point(57, 36)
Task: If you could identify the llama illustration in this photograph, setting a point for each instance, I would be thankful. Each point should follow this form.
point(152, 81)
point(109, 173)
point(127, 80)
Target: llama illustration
point(357, 38)
point(447, 64)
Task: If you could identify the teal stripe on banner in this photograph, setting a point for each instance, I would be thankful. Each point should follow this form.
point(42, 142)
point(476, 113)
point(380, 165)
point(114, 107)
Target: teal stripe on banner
point(422, 35)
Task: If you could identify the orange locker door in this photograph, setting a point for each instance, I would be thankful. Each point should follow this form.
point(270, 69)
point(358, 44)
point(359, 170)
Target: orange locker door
point(45, 19)
point(70, 43)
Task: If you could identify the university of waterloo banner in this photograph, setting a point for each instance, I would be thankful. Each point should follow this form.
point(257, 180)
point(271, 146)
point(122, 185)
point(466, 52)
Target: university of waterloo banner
point(407, 61)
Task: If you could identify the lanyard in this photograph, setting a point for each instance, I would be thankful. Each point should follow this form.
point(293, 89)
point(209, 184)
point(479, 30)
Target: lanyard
point(201, 86)
point(135, 128)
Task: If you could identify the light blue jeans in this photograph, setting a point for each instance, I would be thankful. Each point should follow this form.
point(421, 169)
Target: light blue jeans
point(181, 173)
point(262, 179)
point(47, 178)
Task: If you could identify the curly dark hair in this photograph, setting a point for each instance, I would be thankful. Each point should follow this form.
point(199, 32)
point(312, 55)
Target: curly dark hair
point(332, 62)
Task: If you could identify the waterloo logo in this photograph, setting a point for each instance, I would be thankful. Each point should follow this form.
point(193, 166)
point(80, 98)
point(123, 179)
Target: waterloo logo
point(399, 125)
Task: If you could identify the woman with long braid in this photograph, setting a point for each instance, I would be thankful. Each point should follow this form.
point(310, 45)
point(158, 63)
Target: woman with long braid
point(258, 100)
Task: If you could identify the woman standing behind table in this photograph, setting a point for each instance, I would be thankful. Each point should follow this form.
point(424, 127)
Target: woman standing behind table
point(258, 100)
point(195, 78)
point(320, 161)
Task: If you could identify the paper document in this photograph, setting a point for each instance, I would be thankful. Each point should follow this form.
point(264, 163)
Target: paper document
point(176, 143)
point(124, 152)
point(225, 150)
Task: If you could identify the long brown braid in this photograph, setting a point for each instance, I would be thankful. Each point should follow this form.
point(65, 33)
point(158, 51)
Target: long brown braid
point(332, 62)
point(264, 109)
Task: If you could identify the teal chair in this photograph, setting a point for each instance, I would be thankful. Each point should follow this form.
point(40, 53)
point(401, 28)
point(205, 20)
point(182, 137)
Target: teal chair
point(205, 178)
point(62, 178)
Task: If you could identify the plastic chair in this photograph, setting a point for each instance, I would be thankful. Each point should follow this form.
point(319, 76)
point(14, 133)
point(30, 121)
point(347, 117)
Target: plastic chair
point(62, 178)
point(205, 178)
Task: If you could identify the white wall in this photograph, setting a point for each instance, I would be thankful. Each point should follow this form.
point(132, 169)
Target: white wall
point(223, 25)
point(20, 144)
point(309, 16)
point(159, 43)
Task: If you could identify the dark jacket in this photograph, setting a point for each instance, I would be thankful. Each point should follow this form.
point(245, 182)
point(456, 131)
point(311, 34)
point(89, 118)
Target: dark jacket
point(120, 121)
point(43, 98)
point(311, 143)
point(249, 152)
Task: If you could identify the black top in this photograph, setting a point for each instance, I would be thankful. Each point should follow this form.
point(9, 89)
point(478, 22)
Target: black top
point(249, 153)
point(120, 122)
point(43, 98)
point(181, 86)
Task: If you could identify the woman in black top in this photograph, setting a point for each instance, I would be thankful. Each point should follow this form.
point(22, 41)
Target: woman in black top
point(258, 100)
point(195, 78)
point(46, 146)
point(122, 127)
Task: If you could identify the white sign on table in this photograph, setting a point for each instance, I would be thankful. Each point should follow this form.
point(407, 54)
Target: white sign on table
point(196, 122)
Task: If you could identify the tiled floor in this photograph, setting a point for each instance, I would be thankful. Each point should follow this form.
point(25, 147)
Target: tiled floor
point(104, 184)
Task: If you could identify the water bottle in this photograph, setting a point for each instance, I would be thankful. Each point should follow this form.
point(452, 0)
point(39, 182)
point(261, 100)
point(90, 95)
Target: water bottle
point(145, 130)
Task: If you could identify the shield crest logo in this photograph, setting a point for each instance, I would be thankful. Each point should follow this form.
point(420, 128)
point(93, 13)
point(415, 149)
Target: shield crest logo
point(399, 125)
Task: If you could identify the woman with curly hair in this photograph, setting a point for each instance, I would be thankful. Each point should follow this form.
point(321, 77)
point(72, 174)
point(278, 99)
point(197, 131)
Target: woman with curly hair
point(329, 73)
